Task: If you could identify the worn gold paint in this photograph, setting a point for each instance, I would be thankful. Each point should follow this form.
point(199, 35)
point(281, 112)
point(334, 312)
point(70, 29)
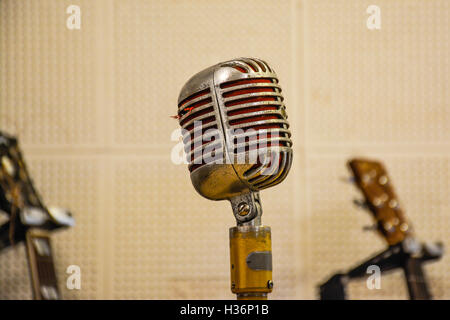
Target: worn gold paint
point(254, 283)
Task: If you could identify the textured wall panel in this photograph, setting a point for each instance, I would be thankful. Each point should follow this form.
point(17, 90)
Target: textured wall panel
point(47, 83)
point(159, 45)
point(387, 86)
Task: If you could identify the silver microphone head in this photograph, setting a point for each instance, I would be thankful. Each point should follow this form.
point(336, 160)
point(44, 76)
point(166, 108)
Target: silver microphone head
point(235, 130)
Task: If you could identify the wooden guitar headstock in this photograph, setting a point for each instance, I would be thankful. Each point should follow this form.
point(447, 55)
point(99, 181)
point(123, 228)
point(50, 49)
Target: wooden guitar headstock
point(372, 179)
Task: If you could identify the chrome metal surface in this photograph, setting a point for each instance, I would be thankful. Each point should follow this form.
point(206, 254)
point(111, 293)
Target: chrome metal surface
point(62, 216)
point(252, 200)
point(248, 142)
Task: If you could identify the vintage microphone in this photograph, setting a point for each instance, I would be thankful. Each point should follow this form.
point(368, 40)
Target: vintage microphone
point(237, 141)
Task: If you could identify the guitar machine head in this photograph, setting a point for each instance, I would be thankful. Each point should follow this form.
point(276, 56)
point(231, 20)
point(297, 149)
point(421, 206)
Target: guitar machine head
point(380, 199)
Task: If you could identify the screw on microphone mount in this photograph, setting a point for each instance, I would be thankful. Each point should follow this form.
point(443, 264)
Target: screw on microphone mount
point(247, 209)
point(244, 209)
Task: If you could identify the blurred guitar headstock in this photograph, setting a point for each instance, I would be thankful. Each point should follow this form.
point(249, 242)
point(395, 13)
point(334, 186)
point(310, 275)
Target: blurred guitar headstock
point(18, 196)
point(380, 199)
point(16, 187)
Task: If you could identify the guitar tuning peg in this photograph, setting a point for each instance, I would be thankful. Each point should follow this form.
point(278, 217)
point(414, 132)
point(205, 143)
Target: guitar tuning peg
point(347, 179)
point(370, 228)
point(360, 203)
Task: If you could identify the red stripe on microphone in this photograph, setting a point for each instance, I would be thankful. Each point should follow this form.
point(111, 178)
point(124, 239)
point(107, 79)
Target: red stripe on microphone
point(240, 69)
point(194, 96)
point(197, 114)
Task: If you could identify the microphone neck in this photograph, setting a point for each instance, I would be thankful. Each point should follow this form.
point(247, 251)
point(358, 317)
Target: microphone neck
point(247, 209)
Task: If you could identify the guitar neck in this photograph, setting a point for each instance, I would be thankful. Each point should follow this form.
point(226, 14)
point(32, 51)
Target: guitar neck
point(42, 268)
point(415, 278)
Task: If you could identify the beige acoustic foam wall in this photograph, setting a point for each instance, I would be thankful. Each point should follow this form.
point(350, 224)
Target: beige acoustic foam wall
point(92, 108)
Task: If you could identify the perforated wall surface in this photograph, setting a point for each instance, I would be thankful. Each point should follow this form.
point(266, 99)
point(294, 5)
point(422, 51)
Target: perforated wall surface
point(92, 110)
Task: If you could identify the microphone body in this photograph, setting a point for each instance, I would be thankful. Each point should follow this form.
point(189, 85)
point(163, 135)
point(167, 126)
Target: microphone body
point(235, 129)
point(237, 141)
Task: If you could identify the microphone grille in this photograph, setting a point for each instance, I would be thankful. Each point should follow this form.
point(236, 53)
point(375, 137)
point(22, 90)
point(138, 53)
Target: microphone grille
point(198, 107)
point(243, 143)
point(256, 120)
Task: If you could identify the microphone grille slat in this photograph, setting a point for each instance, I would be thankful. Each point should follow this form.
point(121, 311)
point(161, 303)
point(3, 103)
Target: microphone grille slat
point(247, 65)
point(257, 103)
point(283, 172)
point(197, 107)
point(253, 102)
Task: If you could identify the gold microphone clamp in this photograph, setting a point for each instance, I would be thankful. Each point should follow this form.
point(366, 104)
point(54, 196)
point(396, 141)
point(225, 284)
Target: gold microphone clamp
point(250, 250)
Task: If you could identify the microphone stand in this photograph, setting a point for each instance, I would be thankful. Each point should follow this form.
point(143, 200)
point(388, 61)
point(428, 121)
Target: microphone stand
point(408, 255)
point(250, 250)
